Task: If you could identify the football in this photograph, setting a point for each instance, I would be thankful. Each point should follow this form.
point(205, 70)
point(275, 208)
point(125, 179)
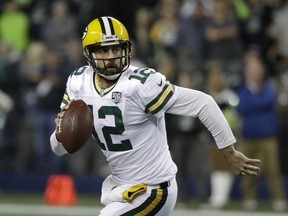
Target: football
point(76, 126)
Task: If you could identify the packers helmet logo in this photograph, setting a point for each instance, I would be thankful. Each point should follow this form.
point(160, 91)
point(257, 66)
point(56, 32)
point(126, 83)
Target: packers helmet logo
point(84, 33)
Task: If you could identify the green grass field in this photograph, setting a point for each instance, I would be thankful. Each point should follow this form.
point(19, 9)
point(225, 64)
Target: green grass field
point(29, 204)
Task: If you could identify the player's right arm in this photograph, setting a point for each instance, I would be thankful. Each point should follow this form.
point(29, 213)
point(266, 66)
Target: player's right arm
point(57, 146)
point(72, 86)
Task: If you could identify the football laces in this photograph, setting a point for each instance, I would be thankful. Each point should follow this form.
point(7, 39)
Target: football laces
point(59, 128)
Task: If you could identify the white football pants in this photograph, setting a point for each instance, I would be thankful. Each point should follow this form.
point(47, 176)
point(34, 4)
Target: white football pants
point(156, 200)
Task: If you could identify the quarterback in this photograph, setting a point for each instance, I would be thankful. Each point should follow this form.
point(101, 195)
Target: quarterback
point(128, 106)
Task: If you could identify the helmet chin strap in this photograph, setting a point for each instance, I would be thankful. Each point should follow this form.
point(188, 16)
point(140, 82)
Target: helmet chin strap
point(108, 77)
point(111, 77)
point(101, 71)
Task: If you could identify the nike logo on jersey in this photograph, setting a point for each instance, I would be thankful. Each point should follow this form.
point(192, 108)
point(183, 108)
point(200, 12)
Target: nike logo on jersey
point(160, 84)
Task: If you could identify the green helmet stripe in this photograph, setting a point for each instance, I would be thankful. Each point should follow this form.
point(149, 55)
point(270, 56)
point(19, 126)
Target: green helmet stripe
point(102, 25)
point(111, 26)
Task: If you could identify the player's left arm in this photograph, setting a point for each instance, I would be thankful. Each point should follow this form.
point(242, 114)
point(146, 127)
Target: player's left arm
point(194, 103)
point(239, 163)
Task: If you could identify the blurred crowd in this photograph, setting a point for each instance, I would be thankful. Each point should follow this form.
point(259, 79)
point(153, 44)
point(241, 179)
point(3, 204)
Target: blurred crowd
point(216, 46)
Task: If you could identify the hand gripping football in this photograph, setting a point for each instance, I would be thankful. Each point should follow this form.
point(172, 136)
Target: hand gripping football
point(76, 126)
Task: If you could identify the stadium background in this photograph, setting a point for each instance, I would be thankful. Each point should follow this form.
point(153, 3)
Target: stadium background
point(19, 168)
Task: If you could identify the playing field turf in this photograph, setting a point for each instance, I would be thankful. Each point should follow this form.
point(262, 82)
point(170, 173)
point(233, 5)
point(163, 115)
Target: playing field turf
point(42, 210)
point(17, 204)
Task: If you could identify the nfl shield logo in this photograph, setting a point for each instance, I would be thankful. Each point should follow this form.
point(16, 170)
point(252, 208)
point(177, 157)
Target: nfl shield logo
point(116, 97)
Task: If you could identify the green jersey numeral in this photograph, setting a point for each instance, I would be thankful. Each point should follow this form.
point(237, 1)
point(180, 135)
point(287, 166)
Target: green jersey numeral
point(118, 129)
point(142, 74)
point(79, 71)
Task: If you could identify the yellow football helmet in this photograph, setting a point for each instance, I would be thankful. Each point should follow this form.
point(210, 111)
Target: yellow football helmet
point(106, 31)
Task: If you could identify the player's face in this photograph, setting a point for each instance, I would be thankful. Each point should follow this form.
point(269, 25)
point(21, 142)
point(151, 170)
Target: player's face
point(108, 58)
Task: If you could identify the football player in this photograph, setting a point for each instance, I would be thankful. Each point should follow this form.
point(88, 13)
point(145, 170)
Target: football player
point(128, 106)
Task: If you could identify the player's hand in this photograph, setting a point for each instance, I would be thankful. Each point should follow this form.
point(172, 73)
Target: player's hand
point(239, 163)
point(58, 119)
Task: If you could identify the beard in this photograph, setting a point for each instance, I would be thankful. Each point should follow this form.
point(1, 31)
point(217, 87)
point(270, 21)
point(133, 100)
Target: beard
point(110, 68)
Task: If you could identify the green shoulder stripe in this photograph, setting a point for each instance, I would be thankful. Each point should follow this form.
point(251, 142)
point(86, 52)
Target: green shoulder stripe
point(161, 100)
point(66, 98)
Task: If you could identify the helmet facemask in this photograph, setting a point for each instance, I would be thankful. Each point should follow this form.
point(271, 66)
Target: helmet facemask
point(105, 72)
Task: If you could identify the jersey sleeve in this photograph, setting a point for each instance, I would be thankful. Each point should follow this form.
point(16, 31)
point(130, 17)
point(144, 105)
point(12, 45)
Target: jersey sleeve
point(198, 104)
point(56, 146)
point(156, 94)
point(73, 85)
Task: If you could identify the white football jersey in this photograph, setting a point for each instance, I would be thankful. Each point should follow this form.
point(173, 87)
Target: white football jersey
point(129, 123)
